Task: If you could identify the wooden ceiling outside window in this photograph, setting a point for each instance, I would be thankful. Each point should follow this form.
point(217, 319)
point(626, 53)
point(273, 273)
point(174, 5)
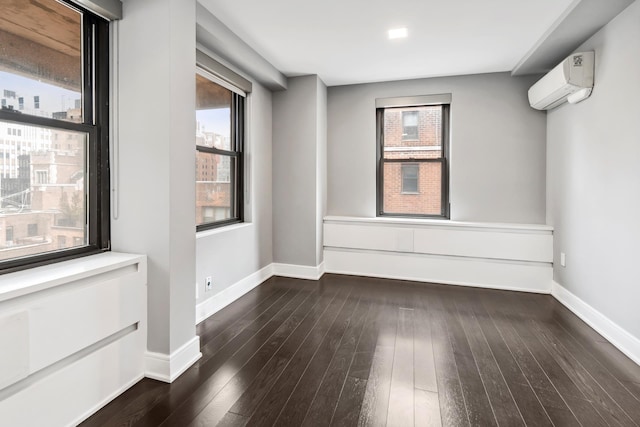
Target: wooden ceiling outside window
point(41, 39)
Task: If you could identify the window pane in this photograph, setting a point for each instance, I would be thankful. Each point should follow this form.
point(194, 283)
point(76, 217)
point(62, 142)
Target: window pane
point(40, 59)
point(427, 179)
point(43, 190)
point(213, 114)
point(216, 177)
point(413, 133)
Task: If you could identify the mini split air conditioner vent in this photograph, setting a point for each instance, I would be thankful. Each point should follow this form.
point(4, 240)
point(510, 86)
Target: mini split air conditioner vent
point(571, 80)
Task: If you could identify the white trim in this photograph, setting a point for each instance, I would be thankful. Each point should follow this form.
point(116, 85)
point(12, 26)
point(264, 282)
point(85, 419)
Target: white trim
point(414, 101)
point(19, 283)
point(299, 271)
point(443, 223)
point(114, 116)
point(614, 333)
point(222, 299)
point(167, 368)
point(221, 230)
point(448, 270)
point(107, 9)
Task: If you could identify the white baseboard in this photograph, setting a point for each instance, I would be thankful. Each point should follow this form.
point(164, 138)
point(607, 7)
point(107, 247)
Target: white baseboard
point(299, 271)
point(476, 272)
point(616, 335)
point(222, 299)
point(167, 368)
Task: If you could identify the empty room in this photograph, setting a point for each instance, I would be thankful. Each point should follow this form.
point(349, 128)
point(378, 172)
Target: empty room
point(345, 213)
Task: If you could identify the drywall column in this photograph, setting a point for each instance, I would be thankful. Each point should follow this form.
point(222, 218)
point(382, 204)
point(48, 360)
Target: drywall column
point(155, 196)
point(299, 172)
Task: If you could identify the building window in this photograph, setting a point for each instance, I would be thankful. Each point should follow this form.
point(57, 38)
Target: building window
point(412, 172)
point(60, 57)
point(410, 125)
point(8, 235)
point(42, 177)
point(219, 159)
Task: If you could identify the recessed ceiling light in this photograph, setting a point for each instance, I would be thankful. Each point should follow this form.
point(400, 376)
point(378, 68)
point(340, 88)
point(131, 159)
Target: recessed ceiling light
point(398, 33)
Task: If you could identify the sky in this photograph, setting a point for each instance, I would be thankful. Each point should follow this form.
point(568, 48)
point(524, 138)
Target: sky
point(52, 98)
point(215, 120)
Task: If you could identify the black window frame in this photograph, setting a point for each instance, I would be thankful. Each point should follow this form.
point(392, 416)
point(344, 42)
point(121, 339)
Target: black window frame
point(237, 120)
point(443, 160)
point(95, 123)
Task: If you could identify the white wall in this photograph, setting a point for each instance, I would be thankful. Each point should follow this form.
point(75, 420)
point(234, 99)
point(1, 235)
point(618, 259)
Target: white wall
point(497, 147)
point(155, 188)
point(297, 179)
point(593, 161)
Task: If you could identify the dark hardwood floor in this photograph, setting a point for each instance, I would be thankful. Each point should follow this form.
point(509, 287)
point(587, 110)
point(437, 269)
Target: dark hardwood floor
point(360, 351)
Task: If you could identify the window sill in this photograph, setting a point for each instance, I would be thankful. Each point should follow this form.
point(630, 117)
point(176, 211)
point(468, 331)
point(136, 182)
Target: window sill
point(13, 285)
point(439, 223)
point(220, 230)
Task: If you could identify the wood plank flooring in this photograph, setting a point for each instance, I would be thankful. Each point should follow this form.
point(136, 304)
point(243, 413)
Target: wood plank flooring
point(354, 351)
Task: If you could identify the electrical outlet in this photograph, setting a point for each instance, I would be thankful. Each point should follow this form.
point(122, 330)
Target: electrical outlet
point(563, 259)
point(207, 283)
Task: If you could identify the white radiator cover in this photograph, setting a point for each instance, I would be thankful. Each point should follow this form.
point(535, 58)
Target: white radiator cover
point(73, 336)
point(490, 255)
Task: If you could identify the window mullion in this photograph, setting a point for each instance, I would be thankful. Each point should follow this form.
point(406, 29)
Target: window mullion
point(214, 150)
point(47, 122)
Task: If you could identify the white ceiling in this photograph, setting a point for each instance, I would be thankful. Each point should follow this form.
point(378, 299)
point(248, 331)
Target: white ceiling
point(345, 41)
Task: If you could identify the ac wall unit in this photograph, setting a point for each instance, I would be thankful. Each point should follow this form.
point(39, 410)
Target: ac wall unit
point(571, 80)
